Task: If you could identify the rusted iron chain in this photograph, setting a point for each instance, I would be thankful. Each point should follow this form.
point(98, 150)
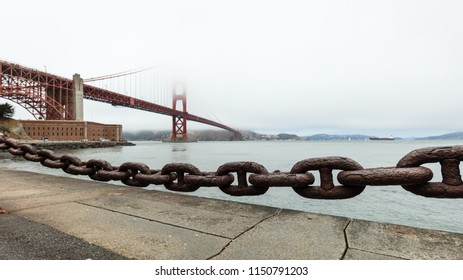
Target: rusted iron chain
point(254, 179)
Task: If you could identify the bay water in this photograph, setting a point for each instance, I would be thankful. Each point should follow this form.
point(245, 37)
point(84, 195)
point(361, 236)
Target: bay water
point(390, 204)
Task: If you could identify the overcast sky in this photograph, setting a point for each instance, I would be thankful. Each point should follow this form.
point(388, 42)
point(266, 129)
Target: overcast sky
point(370, 67)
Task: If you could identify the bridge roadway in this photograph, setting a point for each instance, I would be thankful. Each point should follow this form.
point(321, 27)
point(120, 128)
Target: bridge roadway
point(47, 217)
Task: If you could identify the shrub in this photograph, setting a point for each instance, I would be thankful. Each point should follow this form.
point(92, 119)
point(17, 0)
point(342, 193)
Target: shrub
point(6, 110)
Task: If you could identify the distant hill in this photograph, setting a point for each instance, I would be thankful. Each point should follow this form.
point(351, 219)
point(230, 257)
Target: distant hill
point(206, 135)
point(329, 137)
point(146, 135)
point(449, 136)
point(222, 135)
point(286, 136)
point(200, 135)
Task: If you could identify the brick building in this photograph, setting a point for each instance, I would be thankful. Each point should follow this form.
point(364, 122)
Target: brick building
point(59, 130)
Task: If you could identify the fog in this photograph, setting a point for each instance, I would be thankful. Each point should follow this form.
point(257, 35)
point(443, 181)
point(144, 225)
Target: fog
point(305, 67)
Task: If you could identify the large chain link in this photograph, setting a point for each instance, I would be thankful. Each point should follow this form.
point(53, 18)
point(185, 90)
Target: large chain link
point(449, 159)
point(353, 178)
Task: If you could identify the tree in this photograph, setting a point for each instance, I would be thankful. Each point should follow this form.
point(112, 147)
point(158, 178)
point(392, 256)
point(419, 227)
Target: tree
point(6, 111)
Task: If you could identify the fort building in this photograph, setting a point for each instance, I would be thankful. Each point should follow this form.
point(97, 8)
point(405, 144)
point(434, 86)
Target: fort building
point(67, 130)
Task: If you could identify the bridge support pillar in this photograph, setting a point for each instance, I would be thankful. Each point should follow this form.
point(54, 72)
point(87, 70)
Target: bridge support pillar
point(78, 96)
point(179, 131)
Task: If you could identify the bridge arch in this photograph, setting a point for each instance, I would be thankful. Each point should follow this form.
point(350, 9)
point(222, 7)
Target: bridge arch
point(43, 95)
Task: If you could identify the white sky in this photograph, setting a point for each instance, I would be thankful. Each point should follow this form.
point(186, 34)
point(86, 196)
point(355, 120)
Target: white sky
point(305, 67)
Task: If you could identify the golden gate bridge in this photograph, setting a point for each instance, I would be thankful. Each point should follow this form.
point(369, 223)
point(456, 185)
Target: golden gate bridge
point(51, 97)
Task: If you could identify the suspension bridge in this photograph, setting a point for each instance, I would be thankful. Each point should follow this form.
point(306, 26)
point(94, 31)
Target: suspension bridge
point(51, 97)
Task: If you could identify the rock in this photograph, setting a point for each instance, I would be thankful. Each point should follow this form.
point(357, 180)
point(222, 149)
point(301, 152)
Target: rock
point(13, 128)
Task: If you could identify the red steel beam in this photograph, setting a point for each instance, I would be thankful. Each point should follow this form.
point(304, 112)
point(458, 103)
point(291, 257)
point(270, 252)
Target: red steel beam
point(38, 92)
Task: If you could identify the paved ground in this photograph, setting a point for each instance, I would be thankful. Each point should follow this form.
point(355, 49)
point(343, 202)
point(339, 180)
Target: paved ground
point(51, 217)
point(21, 239)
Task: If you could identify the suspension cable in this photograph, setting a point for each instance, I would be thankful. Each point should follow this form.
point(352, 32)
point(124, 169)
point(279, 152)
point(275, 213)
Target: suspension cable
point(121, 74)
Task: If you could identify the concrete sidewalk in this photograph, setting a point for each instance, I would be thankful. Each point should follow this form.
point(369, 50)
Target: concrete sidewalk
point(51, 217)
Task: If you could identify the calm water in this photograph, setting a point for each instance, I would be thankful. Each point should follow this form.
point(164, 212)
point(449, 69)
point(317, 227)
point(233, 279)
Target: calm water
point(390, 204)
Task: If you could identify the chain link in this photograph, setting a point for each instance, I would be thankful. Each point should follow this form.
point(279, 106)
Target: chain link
point(353, 178)
point(242, 168)
point(449, 159)
point(327, 189)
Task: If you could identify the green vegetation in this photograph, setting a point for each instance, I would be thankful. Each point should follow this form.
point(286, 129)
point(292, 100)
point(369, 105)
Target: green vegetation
point(6, 111)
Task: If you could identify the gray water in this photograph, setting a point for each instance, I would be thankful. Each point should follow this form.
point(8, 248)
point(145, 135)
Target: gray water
point(390, 204)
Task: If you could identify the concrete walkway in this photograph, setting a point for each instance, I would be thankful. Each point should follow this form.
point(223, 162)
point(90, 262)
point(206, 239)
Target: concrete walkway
point(51, 217)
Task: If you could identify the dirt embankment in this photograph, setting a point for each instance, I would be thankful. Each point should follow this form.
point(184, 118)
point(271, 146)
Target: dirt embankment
point(13, 128)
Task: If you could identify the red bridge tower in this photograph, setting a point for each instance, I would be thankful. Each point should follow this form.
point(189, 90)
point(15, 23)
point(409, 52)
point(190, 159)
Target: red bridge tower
point(179, 132)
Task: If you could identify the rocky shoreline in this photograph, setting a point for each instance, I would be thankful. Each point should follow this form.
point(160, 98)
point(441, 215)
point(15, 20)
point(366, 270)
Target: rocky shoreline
point(77, 145)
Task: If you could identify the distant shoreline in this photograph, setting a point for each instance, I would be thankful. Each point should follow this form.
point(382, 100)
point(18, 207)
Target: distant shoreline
point(217, 135)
